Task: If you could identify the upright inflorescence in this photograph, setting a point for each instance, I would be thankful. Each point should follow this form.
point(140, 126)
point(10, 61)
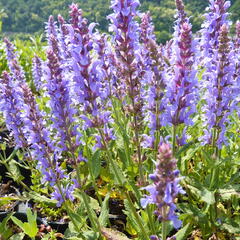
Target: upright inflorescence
point(215, 18)
point(51, 29)
point(63, 37)
point(107, 64)
point(64, 124)
point(154, 80)
point(237, 37)
point(220, 90)
point(42, 147)
point(37, 71)
point(182, 88)
point(12, 60)
point(165, 187)
point(128, 53)
point(88, 76)
point(147, 29)
point(129, 66)
point(181, 17)
point(237, 54)
point(11, 105)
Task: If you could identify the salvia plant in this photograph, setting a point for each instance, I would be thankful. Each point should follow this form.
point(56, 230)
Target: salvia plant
point(117, 113)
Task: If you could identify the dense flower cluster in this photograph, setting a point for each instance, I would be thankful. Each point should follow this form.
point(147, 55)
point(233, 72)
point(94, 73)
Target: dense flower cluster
point(37, 70)
point(128, 54)
point(11, 105)
point(15, 68)
point(154, 80)
point(215, 18)
point(165, 187)
point(87, 77)
point(220, 92)
point(182, 87)
point(64, 123)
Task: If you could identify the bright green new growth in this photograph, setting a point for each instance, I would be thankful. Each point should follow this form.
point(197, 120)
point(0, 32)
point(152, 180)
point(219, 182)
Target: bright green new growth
point(30, 228)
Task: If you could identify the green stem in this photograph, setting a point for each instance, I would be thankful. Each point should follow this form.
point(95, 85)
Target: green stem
point(92, 177)
point(136, 216)
point(150, 217)
point(94, 221)
point(131, 205)
point(97, 228)
point(214, 181)
point(164, 230)
point(122, 130)
point(174, 135)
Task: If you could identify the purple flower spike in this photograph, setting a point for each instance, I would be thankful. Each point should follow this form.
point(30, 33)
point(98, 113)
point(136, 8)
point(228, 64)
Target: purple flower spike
point(51, 29)
point(237, 55)
point(220, 95)
point(129, 61)
point(63, 37)
point(147, 29)
point(65, 194)
point(181, 17)
point(237, 37)
point(12, 59)
point(37, 70)
point(89, 74)
point(165, 187)
point(215, 18)
point(182, 87)
point(154, 83)
point(61, 105)
point(41, 145)
point(11, 104)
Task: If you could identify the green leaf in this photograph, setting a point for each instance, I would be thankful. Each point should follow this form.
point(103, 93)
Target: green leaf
point(130, 218)
point(233, 228)
point(30, 227)
point(18, 236)
point(207, 196)
point(5, 231)
point(111, 234)
point(122, 180)
point(32, 218)
point(183, 164)
point(90, 235)
point(228, 193)
point(182, 233)
point(95, 164)
point(14, 171)
point(203, 193)
point(103, 218)
point(42, 199)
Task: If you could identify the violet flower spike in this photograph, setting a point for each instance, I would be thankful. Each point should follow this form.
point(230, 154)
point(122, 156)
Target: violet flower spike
point(61, 105)
point(11, 104)
point(237, 56)
point(181, 17)
point(165, 187)
point(51, 29)
point(12, 60)
point(220, 95)
point(182, 87)
point(128, 54)
point(42, 147)
point(154, 80)
point(37, 70)
point(88, 74)
point(63, 37)
point(237, 37)
point(215, 18)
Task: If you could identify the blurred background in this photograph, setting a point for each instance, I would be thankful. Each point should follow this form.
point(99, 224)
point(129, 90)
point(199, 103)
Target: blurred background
point(22, 18)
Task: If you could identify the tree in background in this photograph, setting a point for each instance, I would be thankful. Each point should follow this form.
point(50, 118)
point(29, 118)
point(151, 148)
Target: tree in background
point(28, 16)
